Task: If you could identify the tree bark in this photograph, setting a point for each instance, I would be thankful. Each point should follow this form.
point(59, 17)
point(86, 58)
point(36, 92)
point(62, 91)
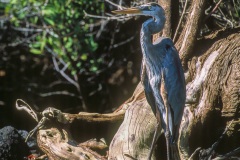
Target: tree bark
point(209, 107)
point(188, 37)
point(134, 136)
point(166, 4)
point(212, 93)
point(58, 146)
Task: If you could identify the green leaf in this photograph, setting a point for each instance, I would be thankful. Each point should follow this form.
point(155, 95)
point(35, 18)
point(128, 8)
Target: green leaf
point(84, 57)
point(21, 15)
point(71, 32)
point(35, 44)
point(93, 69)
point(94, 46)
point(69, 43)
point(50, 40)
point(35, 51)
point(7, 9)
point(43, 42)
point(14, 1)
point(79, 64)
point(49, 21)
point(48, 11)
point(34, 20)
point(73, 72)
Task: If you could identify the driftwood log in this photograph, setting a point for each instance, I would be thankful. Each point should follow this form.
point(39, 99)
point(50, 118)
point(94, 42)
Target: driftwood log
point(212, 72)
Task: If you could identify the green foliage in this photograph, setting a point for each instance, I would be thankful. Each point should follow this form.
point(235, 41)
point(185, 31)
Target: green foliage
point(59, 25)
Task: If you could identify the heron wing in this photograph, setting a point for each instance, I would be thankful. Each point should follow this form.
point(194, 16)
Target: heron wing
point(175, 88)
point(175, 83)
point(147, 88)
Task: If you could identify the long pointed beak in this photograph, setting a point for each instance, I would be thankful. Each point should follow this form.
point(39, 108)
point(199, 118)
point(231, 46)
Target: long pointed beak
point(128, 11)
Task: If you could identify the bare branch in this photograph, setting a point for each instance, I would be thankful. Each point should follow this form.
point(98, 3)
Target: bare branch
point(116, 5)
point(118, 18)
point(26, 29)
point(229, 155)
point(21, 41)
point(123, 42)
point(64, 74)
point(66, 93)
point(22, 105)
point(180, 21)
point(194, 153)
point(214, 9)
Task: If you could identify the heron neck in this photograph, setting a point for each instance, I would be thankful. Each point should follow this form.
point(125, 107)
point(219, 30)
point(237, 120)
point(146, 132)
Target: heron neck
point(154, 25)
point(146, 37)
point(149, 28)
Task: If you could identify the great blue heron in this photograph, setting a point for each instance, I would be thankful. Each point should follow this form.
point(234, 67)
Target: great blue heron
point(162, 74)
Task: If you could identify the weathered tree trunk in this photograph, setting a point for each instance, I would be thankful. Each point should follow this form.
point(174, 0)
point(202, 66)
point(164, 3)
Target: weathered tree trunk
point(212, 94)
point(134, 136)
point(212, 102)
point(188, 36)
point(166, 4)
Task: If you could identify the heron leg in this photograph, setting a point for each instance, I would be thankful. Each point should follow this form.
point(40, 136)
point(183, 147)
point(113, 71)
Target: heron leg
point(164, 95)
point(167, 136)
point(153, 141)
point(167, 133)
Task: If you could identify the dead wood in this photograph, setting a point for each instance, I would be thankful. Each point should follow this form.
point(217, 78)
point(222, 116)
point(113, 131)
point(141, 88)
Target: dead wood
point(212, 94)
point(188, 37)
point(57, 146)
point(95, 117)
point(171, 9)
point(134, 136)
point(166, 4)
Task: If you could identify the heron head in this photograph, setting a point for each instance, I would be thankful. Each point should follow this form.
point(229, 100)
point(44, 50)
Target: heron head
point(149, 9)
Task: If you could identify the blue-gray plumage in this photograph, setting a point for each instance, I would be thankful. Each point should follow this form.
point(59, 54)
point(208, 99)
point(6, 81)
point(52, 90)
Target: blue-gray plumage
point(161, 72)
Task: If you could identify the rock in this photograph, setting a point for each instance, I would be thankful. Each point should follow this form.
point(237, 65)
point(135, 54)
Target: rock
point(12, 145)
